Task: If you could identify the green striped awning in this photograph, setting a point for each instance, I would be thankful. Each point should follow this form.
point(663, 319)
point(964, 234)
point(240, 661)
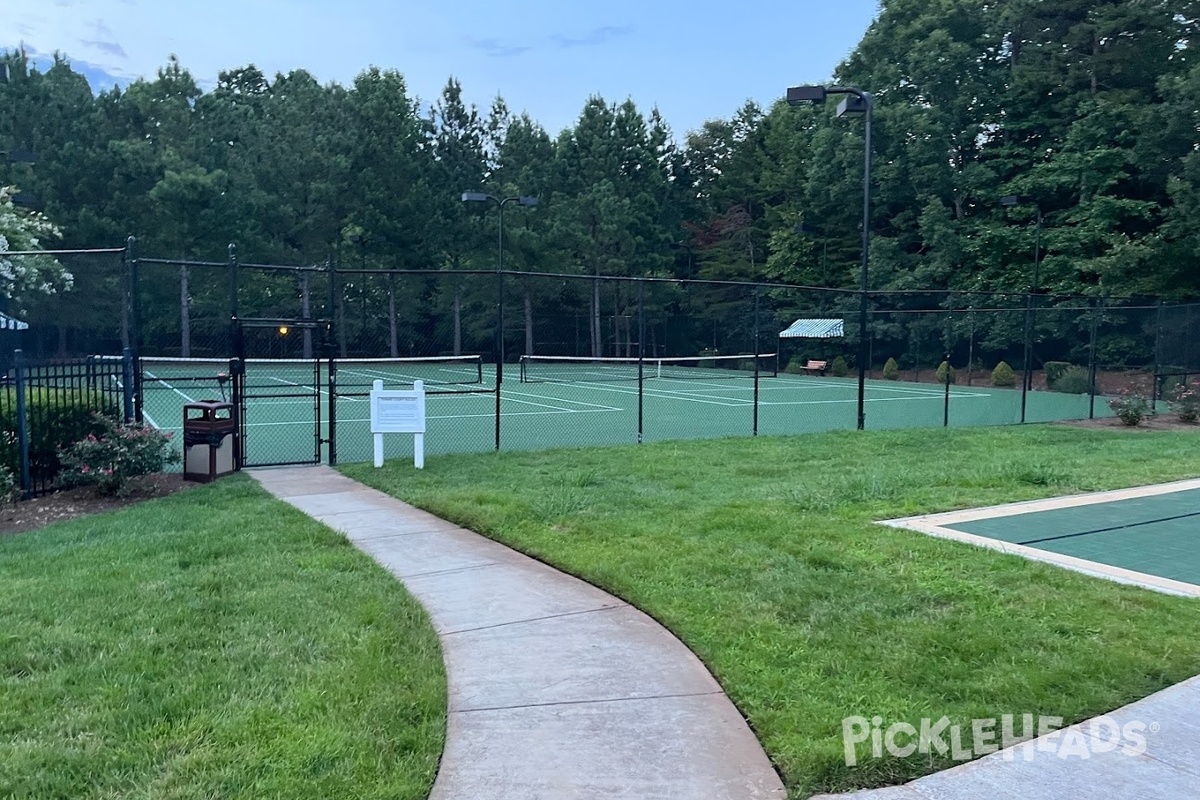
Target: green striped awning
point(12, 323)
point(813, 329)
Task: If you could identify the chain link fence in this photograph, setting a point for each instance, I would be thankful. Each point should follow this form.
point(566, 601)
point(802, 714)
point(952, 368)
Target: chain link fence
point(534, 360)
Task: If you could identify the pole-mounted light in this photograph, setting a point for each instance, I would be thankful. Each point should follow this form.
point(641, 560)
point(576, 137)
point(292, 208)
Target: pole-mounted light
point(855, 102)
point(521, 200)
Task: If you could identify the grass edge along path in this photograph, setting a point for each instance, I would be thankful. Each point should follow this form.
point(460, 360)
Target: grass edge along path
point(762, 556)
point(214, 643)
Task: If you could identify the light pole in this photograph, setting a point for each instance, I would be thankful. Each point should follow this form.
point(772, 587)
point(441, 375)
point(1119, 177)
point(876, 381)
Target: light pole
point(1011, 201)
point(523, 200)
point(855, 102)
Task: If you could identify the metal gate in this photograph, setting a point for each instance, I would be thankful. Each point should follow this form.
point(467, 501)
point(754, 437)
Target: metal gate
point(280, 399)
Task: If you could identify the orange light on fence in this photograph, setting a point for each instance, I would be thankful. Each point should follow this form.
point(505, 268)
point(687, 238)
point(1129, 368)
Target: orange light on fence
point(283, 330)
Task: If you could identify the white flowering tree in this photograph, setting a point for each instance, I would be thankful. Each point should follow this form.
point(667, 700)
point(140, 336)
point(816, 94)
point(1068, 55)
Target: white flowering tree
point(22, 277)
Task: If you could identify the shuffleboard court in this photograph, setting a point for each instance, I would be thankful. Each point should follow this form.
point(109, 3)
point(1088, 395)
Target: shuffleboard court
point(585, 402)
point(1145, 536)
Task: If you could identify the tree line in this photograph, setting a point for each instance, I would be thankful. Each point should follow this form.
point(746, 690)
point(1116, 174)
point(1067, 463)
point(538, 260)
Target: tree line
point(1087, 111)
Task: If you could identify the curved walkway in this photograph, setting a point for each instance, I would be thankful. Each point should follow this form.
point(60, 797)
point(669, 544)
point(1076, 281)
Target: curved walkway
point(557, 689)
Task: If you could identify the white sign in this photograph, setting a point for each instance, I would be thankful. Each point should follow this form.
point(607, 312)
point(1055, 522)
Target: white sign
point(399, 411)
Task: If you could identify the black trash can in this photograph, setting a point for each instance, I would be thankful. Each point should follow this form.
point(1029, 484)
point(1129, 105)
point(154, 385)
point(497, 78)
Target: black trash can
point(209, 440)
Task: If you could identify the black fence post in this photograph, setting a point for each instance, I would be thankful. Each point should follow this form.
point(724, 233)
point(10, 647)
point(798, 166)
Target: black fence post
point(946, 402)
point(641, 357)
point(1158, 365)
point(499, 342)
point(331, 334)
point(1027, 376)
point(22, 423)
point(128, 412)
point(757, 352)
point(135, 319)
point(1097, 305)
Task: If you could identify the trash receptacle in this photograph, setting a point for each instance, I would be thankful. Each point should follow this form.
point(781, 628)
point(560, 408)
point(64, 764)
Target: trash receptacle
point(209, 432)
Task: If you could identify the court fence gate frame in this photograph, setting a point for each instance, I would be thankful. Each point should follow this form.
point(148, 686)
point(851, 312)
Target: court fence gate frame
point(314, 385)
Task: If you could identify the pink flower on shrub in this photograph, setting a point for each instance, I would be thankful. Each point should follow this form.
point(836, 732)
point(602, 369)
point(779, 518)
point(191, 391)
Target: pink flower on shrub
point(85, 469)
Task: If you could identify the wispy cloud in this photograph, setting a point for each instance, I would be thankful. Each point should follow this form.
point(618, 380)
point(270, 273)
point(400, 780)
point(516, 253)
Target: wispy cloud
point(111, 48)
point(594, 37)
point(497, 48)
point(501, 48)
point(101, 28)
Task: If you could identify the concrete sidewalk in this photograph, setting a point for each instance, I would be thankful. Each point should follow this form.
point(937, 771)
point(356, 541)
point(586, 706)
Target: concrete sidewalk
point(1149, 749)
point(558, 691)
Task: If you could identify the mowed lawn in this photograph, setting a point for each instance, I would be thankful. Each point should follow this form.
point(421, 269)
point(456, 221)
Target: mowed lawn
point(212, 644)
point(762, 556)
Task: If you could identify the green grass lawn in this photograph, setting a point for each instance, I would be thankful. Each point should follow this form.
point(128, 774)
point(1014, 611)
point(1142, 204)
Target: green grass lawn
point(762, 556)
point(212, 644)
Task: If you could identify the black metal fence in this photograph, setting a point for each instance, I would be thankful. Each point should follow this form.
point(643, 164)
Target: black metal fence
point(45, 406)
point(932, 358)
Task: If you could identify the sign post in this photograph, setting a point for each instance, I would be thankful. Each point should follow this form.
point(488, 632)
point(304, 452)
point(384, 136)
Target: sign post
point(399, 411)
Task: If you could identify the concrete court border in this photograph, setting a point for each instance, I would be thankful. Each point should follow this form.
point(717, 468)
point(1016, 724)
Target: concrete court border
point(935, 525)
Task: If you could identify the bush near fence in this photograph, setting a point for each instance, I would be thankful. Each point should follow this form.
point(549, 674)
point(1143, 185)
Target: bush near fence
point(61, 420)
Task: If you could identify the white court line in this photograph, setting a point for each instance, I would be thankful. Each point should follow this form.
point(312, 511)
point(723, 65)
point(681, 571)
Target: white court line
point(509, 392)
point(492, 415)
point(696, 397)
point(847, 400)
point(779, 385)
point(557, 408)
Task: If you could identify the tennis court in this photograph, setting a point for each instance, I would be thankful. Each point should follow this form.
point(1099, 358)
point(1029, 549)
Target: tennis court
point(1143, 536)
point(564, 402)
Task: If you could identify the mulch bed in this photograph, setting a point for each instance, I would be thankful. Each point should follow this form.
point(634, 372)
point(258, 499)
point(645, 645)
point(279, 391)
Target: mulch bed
point(29, 515)
point(1161, 422)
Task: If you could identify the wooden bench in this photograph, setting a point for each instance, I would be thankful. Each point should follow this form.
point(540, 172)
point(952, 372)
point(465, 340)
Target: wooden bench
point(815, 366)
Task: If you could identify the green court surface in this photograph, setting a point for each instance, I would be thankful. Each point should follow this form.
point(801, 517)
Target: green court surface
point(289, 402)
point(1154, 535)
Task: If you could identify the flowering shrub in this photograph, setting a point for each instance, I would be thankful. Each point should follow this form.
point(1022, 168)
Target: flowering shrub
point(10, 491)
point(1185, 403)
point(1130, 407)
point(119, 453)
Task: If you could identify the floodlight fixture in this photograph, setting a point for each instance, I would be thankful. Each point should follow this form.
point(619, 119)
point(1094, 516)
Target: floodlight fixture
point(853, 104)
point(806, 95)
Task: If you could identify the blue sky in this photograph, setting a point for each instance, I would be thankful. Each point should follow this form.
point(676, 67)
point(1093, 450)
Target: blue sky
point(693, 60)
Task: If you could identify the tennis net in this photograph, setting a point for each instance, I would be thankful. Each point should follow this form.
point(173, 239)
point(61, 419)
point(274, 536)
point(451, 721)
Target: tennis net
point(583, 369)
